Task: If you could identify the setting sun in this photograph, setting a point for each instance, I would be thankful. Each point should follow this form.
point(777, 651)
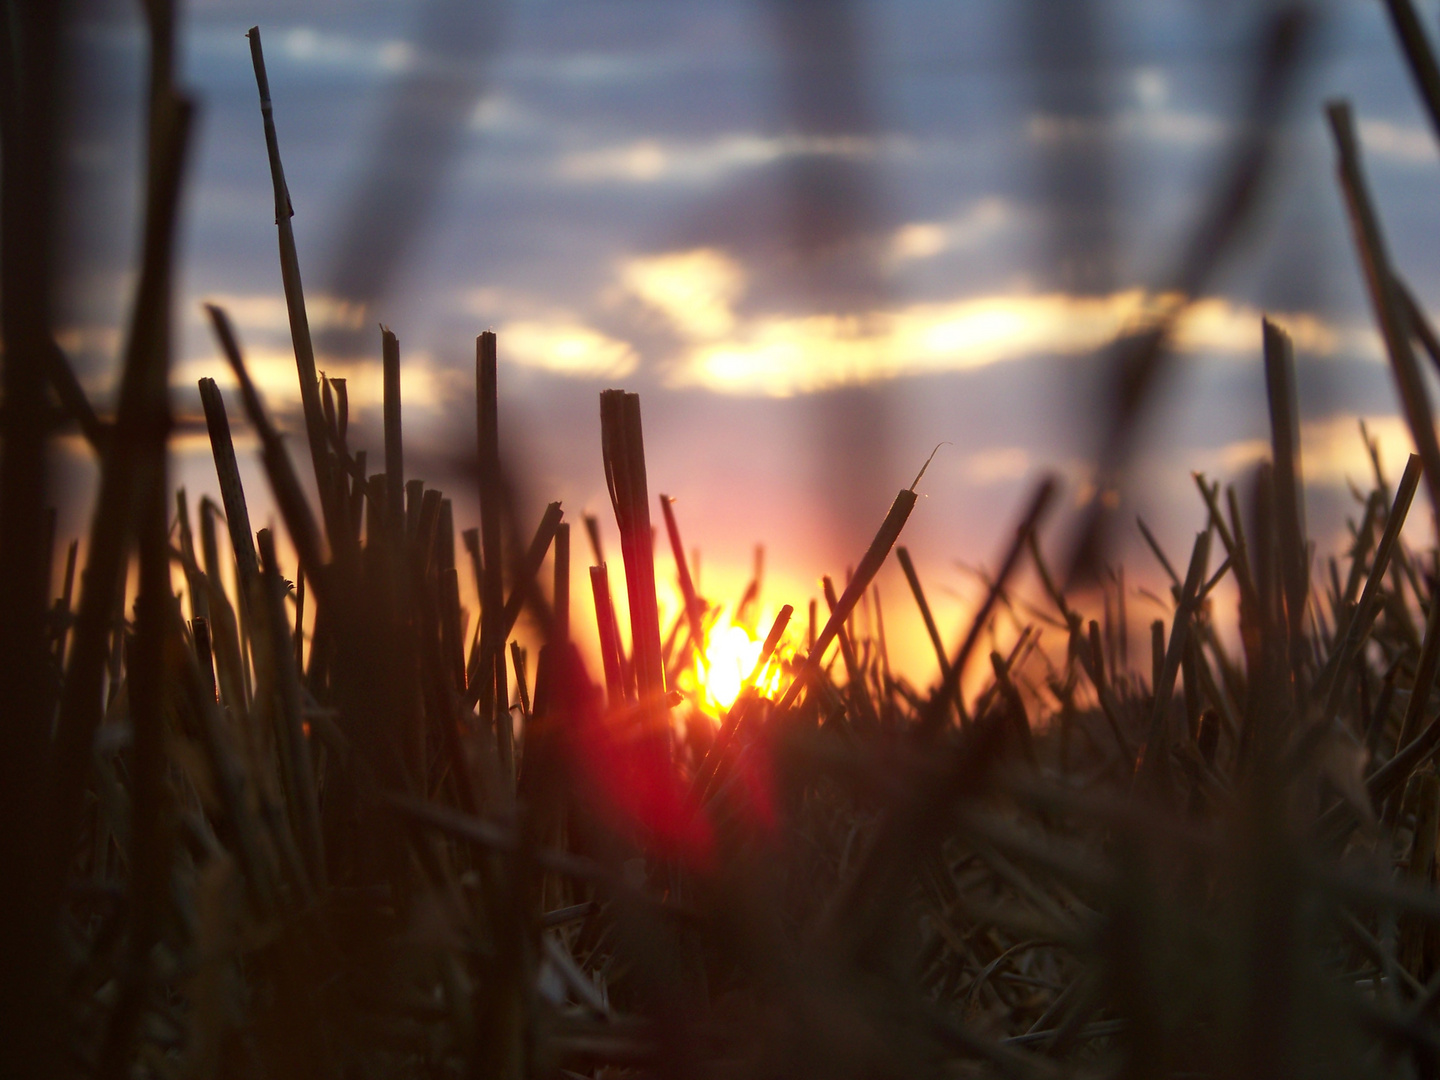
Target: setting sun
point(731, 652)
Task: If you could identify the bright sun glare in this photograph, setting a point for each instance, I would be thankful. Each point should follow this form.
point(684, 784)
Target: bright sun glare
point(731, 653)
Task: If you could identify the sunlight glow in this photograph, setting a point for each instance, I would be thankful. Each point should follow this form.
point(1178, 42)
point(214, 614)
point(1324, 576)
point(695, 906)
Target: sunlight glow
point(731, 652)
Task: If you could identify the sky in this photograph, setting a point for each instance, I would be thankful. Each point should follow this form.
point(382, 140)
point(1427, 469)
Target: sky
point(819, 237)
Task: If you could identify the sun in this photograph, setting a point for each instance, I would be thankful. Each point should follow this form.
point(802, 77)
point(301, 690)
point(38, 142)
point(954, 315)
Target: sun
point(730, 655)
point(732, 652)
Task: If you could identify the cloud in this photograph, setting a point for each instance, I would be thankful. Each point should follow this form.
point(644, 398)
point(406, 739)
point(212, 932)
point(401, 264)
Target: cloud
point(784, 354)
point(696, 290)
point(600, 69)
point(1332, 451)
point(997, 465)
point(497, 113)
point(1404, 143)
point(1151, 87)
point(926, 239)
point(918, 240)
point(1156, 121)
point(566, 348)
point(424, 385)
point(536, 334)
point(1218, 325)
point(648, 161)
point(265, 314)
point(305, 44)
point(550, 341)
point(1155, 124)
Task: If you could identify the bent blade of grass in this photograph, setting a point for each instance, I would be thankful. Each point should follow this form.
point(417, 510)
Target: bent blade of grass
point(865, 572)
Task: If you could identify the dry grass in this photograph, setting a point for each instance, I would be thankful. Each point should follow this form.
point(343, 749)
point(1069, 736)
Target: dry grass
point(397, 846)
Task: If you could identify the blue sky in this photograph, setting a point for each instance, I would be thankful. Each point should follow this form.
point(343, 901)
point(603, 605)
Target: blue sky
point(617, 200)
